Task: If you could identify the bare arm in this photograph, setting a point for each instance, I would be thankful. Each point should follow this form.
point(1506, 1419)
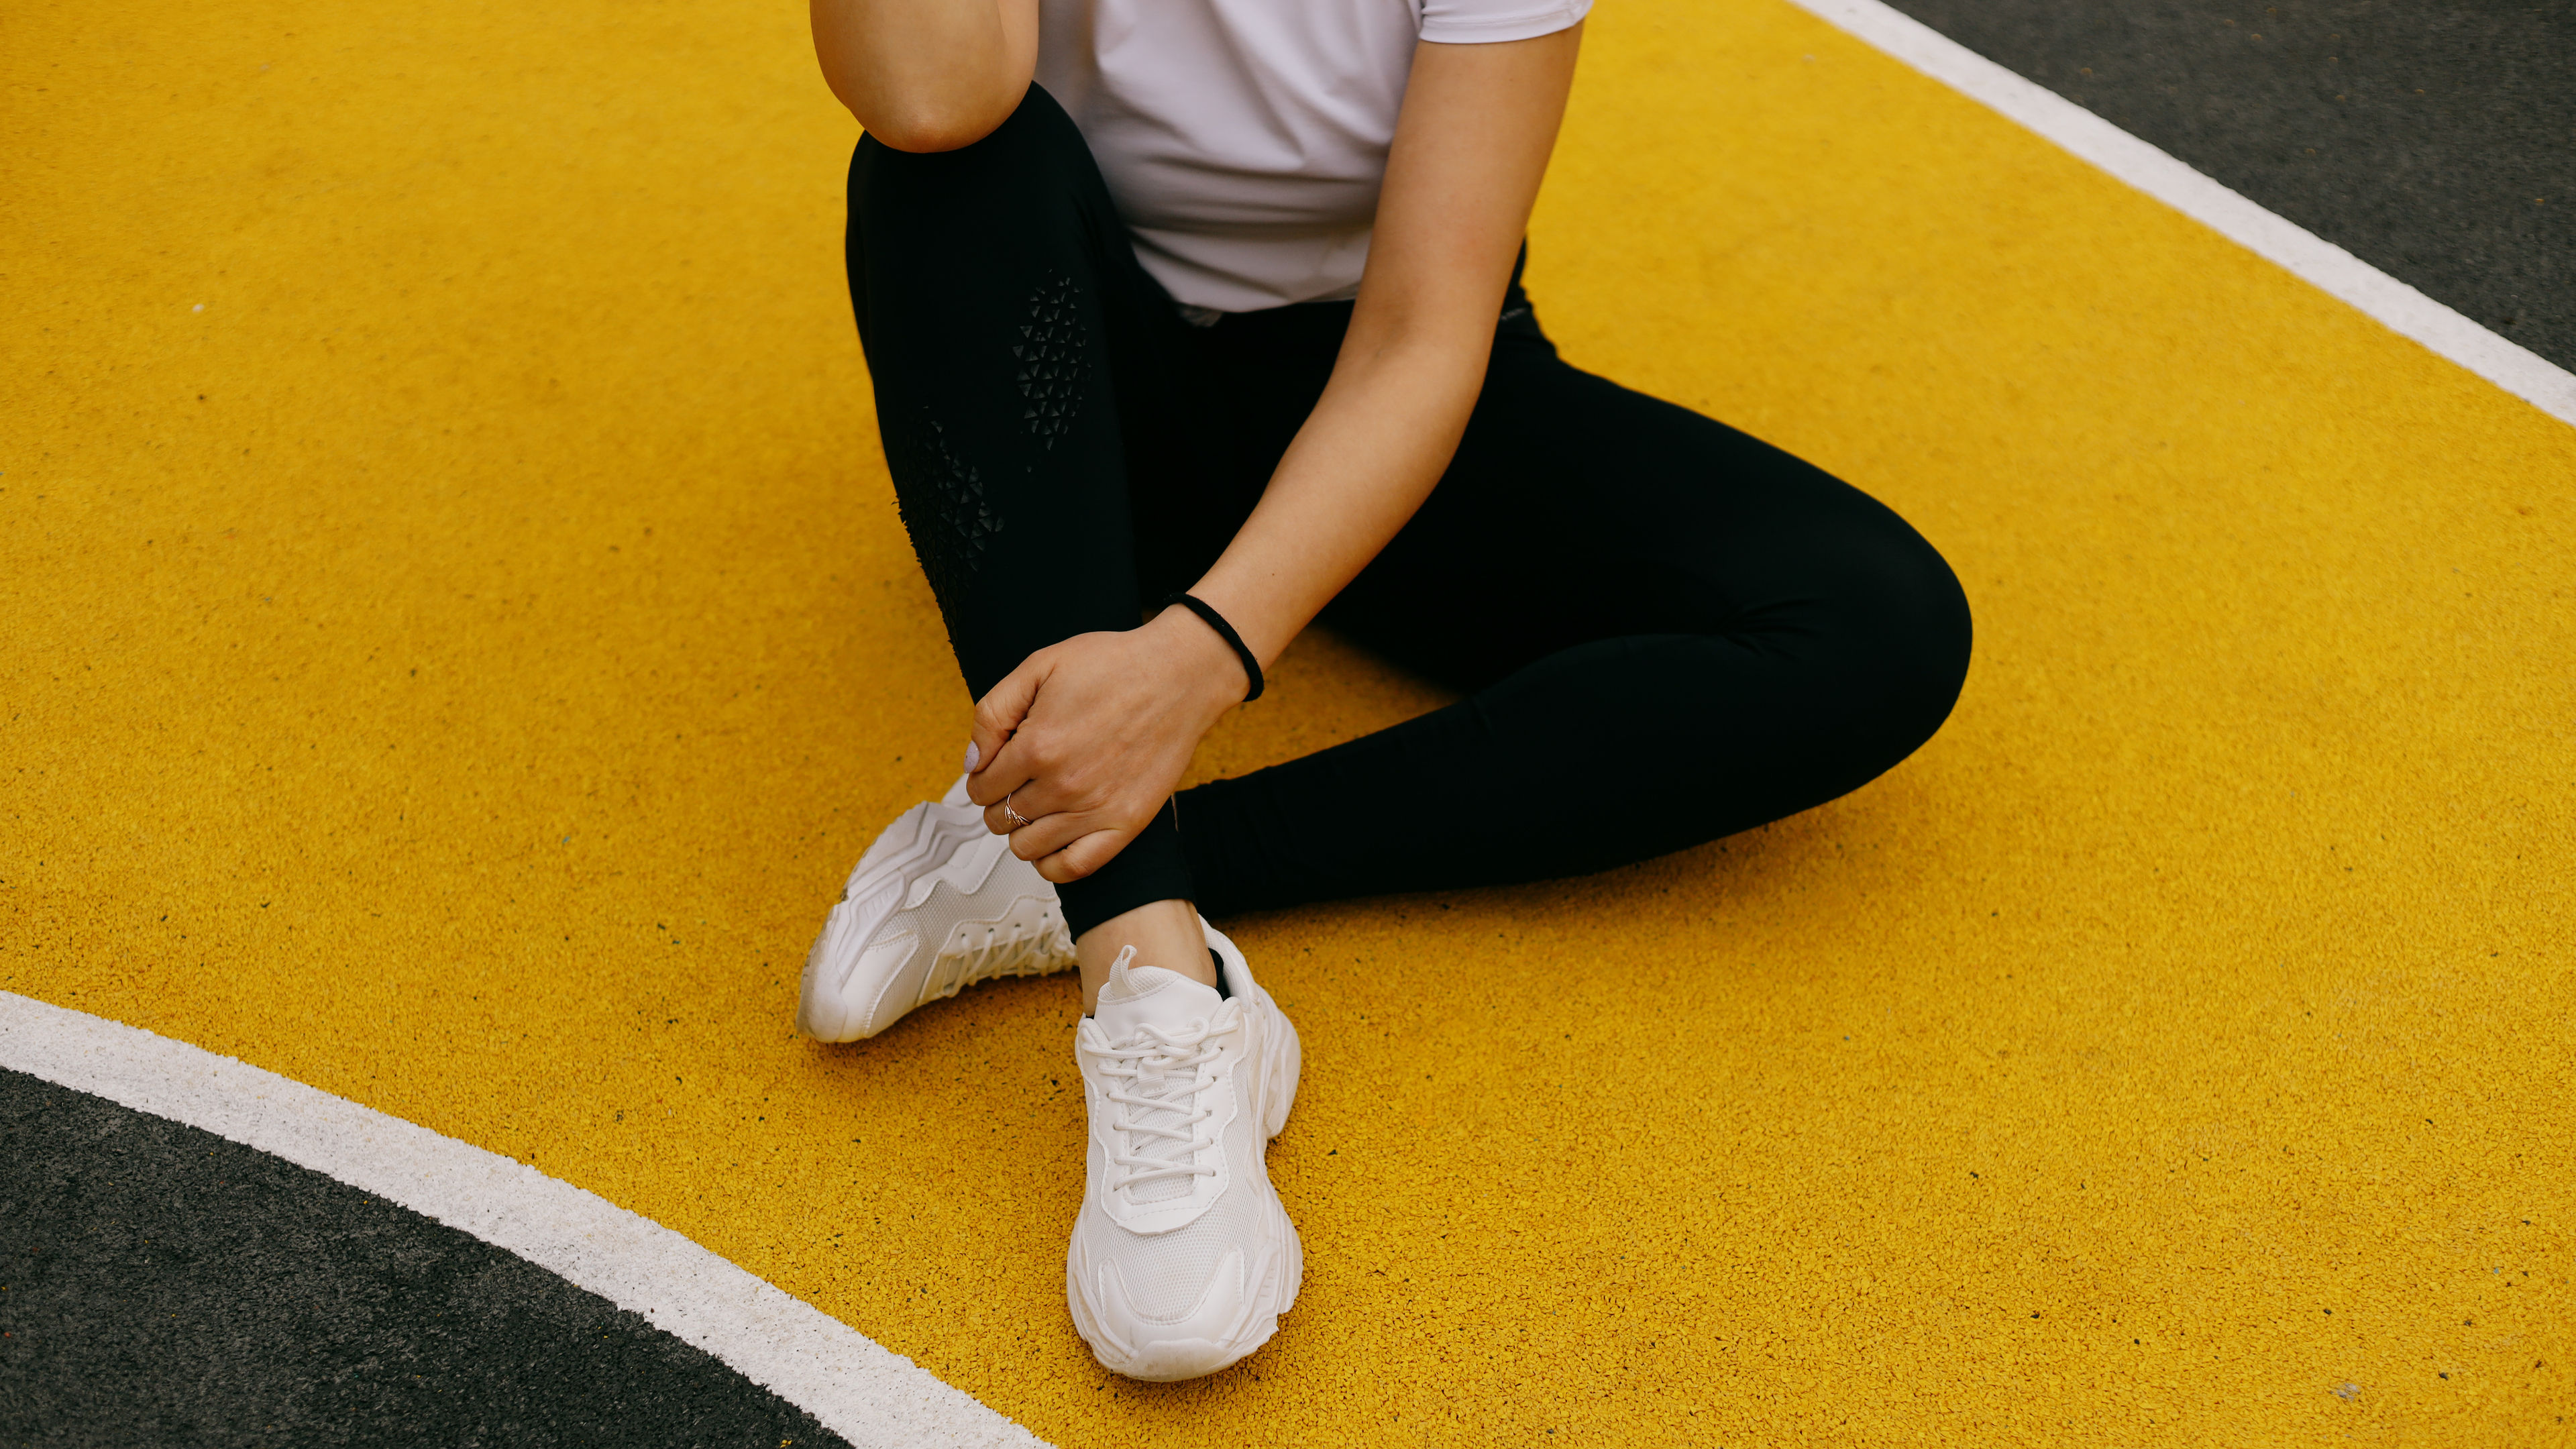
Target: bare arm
point(927, 75)
point(1095, 732)
point(1473, 141)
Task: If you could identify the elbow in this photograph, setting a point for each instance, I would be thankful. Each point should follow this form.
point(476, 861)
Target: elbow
point(936, 81)
point(932, 127)
point(925, 118)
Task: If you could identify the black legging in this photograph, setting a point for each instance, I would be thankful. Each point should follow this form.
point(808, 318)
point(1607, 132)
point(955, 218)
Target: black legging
point(1668, 631)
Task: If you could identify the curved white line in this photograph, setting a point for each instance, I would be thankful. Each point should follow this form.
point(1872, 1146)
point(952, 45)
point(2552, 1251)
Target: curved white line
point(2330, 268)
point(857, 1388)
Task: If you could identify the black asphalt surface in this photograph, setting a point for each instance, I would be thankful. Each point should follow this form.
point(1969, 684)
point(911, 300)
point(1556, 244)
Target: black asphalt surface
point(160, 1286)
point(2436, 142)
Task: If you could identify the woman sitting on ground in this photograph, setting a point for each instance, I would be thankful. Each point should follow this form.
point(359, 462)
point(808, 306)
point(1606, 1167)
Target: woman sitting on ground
point(1207, 313)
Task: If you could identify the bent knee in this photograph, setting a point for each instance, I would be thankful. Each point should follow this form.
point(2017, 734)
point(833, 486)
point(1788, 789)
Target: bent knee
point(1915, 635)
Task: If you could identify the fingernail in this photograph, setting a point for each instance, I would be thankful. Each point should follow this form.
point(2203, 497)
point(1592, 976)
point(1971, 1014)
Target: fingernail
point(974, 757)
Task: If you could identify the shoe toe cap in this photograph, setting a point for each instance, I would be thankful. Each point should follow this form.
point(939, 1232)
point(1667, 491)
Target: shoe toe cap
point(1192, 1333)
point(850, 987)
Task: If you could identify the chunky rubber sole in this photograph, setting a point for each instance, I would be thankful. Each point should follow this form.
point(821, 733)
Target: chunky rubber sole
point(1270, 1280)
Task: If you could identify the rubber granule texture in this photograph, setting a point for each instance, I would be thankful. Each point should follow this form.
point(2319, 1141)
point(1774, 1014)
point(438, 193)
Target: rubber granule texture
point(458, 666)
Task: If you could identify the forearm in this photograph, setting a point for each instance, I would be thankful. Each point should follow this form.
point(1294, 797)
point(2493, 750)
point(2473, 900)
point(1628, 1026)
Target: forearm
point(1092, 735)
point(927, 75)
point(1370, 453)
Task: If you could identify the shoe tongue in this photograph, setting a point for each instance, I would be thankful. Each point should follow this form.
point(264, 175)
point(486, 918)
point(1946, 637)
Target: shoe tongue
point(1140, 996)
point(1137, 996)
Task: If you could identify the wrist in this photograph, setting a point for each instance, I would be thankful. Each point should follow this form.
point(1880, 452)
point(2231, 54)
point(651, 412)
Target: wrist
point(1241, 611)
point(1208, 670)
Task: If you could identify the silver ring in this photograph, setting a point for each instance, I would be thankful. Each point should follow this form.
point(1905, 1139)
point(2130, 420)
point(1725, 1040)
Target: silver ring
point(1017, 819)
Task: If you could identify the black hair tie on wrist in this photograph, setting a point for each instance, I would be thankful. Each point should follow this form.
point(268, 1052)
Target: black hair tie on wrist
point(1225, 631)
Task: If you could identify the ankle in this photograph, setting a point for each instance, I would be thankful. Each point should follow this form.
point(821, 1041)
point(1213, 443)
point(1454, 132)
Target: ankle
point(1165, 934)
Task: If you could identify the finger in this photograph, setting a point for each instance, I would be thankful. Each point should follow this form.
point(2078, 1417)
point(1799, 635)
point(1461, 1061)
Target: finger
point(1083, 856)
point(997, 718)
point(997, 817)
point(1035, 800)
point(1044, 835)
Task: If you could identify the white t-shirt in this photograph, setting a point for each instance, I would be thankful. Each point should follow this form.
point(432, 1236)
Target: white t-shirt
point(1244, 140)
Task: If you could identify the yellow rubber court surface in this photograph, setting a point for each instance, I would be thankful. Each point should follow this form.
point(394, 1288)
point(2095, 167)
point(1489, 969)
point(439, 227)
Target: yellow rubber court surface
point(455, 636)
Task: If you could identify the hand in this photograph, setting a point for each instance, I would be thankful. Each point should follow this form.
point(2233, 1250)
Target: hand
point(1088, 738)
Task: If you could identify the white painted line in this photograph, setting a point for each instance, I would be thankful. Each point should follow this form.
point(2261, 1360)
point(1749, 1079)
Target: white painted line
point(2337, 272)
point(857, 1388)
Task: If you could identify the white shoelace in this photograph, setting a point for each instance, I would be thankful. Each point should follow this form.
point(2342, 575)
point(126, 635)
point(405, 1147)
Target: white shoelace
point(1156, 1073)
point(1003, 952)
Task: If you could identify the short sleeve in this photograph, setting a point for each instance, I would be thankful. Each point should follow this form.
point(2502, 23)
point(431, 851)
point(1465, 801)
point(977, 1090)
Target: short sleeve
point(1490, 22)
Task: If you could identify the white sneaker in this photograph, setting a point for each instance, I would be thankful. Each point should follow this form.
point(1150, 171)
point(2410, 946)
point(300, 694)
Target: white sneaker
point(1183, 1257)
point(937, 904)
